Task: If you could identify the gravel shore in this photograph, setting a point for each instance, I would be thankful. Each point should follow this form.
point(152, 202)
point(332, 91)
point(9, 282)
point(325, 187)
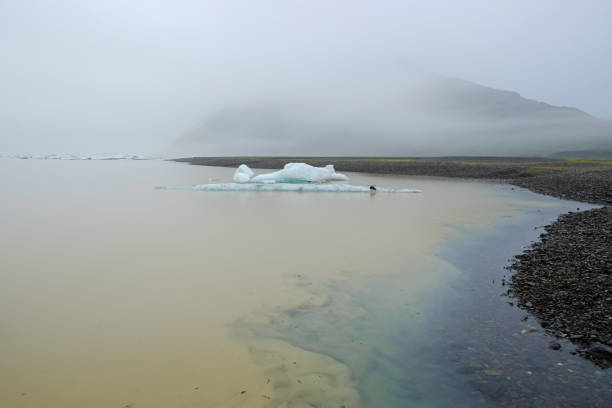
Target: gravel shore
point(586, 186)
point(565, 280)
point(505, 168)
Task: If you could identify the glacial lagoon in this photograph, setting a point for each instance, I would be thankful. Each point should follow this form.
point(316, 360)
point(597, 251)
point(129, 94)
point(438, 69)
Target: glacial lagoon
point(119, 294)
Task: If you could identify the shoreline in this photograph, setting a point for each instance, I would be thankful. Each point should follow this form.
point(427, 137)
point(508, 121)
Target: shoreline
point(565, 281)
point(496, 347)
point(542, 273)
point(586, 180)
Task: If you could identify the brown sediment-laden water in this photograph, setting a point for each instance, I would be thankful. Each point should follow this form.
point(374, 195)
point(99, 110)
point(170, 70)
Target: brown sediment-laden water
point(119, 294)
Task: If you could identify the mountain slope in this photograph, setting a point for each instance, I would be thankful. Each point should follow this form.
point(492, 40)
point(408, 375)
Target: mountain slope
point(426, 115)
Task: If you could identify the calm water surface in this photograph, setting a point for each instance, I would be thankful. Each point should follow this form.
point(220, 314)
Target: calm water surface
point(116, 294)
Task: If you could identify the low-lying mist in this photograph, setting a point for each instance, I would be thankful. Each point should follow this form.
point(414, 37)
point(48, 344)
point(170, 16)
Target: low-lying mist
point(391, 112)
point(303, 77)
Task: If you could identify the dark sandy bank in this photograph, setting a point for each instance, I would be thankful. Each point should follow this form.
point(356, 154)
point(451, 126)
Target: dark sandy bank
point(469, 167)
point(565, 279)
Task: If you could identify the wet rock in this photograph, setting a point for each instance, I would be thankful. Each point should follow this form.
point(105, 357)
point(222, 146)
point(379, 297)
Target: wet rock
point(576, 337)
point(492, 390)
point(554, 345)
point(599, 354)
point(466, 370)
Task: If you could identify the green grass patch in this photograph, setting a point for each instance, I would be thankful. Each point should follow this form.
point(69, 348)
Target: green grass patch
point(480, 163)
point(389, 160)
point(547, 169)
point(598, 162)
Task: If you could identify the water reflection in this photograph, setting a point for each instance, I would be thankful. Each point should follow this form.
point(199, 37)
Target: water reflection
point(115, 293)
point(458, 343)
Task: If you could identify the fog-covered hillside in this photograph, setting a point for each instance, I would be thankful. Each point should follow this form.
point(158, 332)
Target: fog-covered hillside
point(416, 115)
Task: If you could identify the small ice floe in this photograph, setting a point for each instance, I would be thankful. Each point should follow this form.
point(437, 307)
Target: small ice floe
point(65, 156)
point(60, 157)
point(296, 177)
point(120, 157)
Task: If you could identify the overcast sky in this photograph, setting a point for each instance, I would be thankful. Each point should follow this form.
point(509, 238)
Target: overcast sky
point(125, 76)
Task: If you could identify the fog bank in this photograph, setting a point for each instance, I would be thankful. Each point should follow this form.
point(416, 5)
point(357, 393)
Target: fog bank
point(113, 77)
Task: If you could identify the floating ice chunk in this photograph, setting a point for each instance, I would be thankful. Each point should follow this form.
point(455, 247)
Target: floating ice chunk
point(288, 187)
point(61, 156)
point(243, 174)
point(65, 156)
point(301, 173)
point(119, 157)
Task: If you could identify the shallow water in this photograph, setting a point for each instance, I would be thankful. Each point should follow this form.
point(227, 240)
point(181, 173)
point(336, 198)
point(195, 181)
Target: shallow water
point(119, 294)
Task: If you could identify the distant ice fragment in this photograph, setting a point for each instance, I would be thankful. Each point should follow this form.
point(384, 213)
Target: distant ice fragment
point(64, 156)
point(60, 157)
point(243, 174)
point(117, 157)
point(301, 173)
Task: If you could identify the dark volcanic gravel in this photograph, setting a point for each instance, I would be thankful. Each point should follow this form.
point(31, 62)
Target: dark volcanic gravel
point(589, 186)
point(468, 167)
point(565, 280)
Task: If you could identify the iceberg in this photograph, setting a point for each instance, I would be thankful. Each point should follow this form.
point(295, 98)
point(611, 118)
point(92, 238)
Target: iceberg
point(299, 173)
point(243, 174)
point(294, 177)
point(287, 187)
